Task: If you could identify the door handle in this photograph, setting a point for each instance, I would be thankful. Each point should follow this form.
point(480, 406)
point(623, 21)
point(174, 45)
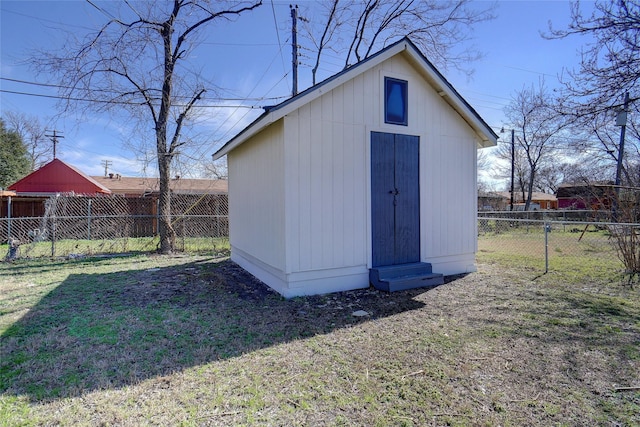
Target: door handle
point(395, 192)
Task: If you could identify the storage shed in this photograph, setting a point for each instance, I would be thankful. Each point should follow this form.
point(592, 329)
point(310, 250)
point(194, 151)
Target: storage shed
point(367, 177)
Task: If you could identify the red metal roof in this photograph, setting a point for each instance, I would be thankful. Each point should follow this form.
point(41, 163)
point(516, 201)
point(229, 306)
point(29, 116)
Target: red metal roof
point(58, 177)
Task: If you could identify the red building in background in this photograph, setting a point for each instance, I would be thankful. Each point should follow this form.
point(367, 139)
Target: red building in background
point(27, 196)
point(595, 196)
point(30, 193)
point(57, 177)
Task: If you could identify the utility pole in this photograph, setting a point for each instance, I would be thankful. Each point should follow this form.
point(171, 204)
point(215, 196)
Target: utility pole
point(106, 164)
point(294, 47)
point(513, 161)
point(621, 120)
point(54, 138)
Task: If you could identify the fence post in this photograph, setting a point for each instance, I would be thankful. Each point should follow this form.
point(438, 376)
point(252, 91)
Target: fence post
point(53, 235)
point(547, 228)
point(8, 218)
point(89, 220)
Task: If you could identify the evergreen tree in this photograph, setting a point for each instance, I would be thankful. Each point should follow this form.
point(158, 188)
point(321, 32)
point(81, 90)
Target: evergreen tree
point(14, 157)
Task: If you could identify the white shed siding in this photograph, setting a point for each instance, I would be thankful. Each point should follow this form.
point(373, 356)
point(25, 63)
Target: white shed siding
point(449, 195)
point(256, 197)
point(327, 174)
point(447, 170)
point(326, 200)
point(300, 188)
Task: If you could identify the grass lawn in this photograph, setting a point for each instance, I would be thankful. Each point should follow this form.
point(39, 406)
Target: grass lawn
point(192, 340)
point(120, 245)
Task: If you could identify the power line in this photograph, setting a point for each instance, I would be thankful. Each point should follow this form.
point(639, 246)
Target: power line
point(55, 86)
point(105, 101)
point(275, 23)
point(101, 10)
point(37, 18)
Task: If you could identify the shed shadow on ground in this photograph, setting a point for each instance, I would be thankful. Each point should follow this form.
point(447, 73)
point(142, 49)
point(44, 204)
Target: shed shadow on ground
point(107, 331)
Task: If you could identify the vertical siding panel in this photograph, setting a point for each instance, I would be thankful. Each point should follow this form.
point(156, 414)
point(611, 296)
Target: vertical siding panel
point(369, 107)
point(256, 178)
point(337, 105)
point(455, 182)
point(472, 208)
point(304, 171)
point(315, 181)
point(347, 201)
point(439, 197)
point(360, 197)
point(337, 230)
point(337, 175)
point(447, 232)
point(348, 112)
point(439, 200)
point(292, 190)
point(358, 205)
point(433, 198)
point(464, 200)
point(326, 186)
point(307, 193)
point(358, 100)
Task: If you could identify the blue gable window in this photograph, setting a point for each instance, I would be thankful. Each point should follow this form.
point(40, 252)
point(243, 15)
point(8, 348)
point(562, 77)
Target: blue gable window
point(395, 101)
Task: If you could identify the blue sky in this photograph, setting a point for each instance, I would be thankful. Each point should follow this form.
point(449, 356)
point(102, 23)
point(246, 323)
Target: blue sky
point(246, 59)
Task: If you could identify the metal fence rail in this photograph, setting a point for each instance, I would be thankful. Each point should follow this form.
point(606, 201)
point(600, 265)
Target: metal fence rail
point(74, 226)
point(78, 235)
point(545, 245)
point(70, 229)
point(561, 215)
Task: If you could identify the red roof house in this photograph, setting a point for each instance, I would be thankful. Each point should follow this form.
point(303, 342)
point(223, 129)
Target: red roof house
point(57, 177)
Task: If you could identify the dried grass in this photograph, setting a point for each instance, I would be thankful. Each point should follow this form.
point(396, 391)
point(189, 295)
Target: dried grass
point(194, 341)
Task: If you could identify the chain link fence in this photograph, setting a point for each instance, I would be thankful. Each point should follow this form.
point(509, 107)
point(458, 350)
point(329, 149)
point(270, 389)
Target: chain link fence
point(544, 245)
point(75, 226)
point(83, 226)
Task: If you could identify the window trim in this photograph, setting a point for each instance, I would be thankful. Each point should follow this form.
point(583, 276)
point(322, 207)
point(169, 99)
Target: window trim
point(405, 95)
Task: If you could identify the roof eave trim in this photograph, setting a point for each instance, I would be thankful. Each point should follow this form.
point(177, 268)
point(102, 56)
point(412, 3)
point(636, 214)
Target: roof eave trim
point(279, 111)
point(486, 135)
point(488, 138)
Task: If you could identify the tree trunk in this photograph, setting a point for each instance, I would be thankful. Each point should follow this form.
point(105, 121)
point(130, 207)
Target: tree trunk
point(527, 203)
point(167, 233)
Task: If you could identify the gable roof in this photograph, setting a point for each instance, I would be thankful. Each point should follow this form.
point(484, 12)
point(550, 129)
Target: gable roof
point(134, 185)
point(58, 177)
point(404, 46)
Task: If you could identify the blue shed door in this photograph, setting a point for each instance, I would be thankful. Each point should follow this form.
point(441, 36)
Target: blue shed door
point(395, 199)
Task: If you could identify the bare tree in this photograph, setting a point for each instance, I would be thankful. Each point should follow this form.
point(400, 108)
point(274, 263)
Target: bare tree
point(138, 62)
point(520, 168)
point(216, 169)
point(32, 132)
point(597, 136)
point(537, 126)
point(584, 169)
point(355, 29)
point(610, 64)
point(334, 20)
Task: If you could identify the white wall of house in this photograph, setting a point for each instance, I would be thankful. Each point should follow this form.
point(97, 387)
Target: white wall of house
point(300, 189)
